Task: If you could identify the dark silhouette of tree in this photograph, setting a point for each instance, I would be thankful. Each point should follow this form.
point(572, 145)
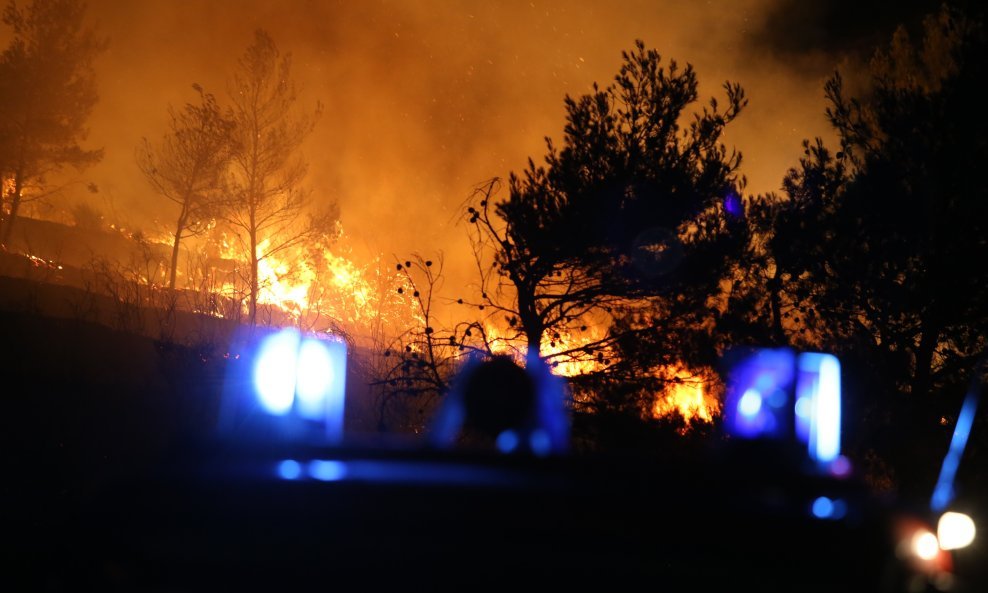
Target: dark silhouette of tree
point(880, 250)
point(624, 226)
point(187, 167)
point(419, 363)
point(889, 231)
point(267, 168)
point(47, 91)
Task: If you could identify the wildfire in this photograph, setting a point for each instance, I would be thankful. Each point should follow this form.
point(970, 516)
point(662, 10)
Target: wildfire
point(689, 394)
point(564, 350)
point(40, 262)
point(284, 283)
point(320, 283)
point(6, 186)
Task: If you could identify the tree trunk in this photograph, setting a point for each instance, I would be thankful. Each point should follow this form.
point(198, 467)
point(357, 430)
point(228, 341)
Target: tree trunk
point(924, 361)
point(534, 337)
point(252, 304)
point(529, 318)
point(775, 298)
point(15, 204)
point(175, 241)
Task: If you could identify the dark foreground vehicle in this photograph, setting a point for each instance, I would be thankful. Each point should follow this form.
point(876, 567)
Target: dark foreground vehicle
point(375, 520)
point(287, 512)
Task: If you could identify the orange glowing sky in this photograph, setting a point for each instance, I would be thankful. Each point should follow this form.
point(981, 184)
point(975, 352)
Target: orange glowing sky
point(425, 99)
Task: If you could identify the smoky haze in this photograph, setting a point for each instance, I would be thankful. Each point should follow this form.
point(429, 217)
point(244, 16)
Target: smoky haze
point(423, 100)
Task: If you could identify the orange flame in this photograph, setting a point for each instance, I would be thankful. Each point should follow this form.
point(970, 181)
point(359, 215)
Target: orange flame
point(562, 350)
point(690, 393)
point(6, 186)
point(319, 283)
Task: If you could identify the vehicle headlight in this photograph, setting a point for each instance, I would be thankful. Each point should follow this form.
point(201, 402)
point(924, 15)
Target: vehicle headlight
point(924, 545)
point(955, 530)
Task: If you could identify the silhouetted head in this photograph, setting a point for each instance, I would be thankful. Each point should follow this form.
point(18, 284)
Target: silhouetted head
point(498, 395)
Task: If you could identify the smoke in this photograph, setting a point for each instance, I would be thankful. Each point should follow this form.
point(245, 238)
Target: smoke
point(423, 100)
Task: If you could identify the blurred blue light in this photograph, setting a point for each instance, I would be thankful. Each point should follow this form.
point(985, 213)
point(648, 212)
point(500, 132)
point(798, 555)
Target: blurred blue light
point(327, 470)
point(539, 442)
point(819, 385)
point(334, 389)
point(775, 393)
point(804, 417)
point(778, 399)
point(314, 376)
point(289, 469)
point(733, 204)
point(840, 509)
point(750, 404)
point(274, 376)
point(840, 467)
point(552, 416)
point(943, 492)
point(291, 387)
point(823, 507)
point(507, 441)
point(764, 372)
point(826, 508)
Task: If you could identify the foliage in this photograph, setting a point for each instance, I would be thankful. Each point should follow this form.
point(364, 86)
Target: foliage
point(187, 167)
point(267, 169)
point(889, 231)
point(880, 250)
point(608, 256)
point(47, 91)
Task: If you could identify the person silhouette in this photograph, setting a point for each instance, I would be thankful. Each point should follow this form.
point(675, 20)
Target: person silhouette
point(496, 404)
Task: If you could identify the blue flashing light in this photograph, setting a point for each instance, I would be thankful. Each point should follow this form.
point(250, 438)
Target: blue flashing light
point(289, 469)
point(943, 492)
point(327, 470)
point(804, 416)
point(314, 376)
point(273, 376)
point(750, 404)
point(826, 508)
point(777, 394)
point(293, 388)
point(757, 404)
point(306, 373)
point(818, 388)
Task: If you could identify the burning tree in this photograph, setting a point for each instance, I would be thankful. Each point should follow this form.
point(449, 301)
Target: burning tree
point(187, 167)
point(47, 91)
point(267, 169)
point(622, 238)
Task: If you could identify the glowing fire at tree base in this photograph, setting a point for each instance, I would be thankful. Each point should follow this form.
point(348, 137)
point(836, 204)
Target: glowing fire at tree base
point(689, 394)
